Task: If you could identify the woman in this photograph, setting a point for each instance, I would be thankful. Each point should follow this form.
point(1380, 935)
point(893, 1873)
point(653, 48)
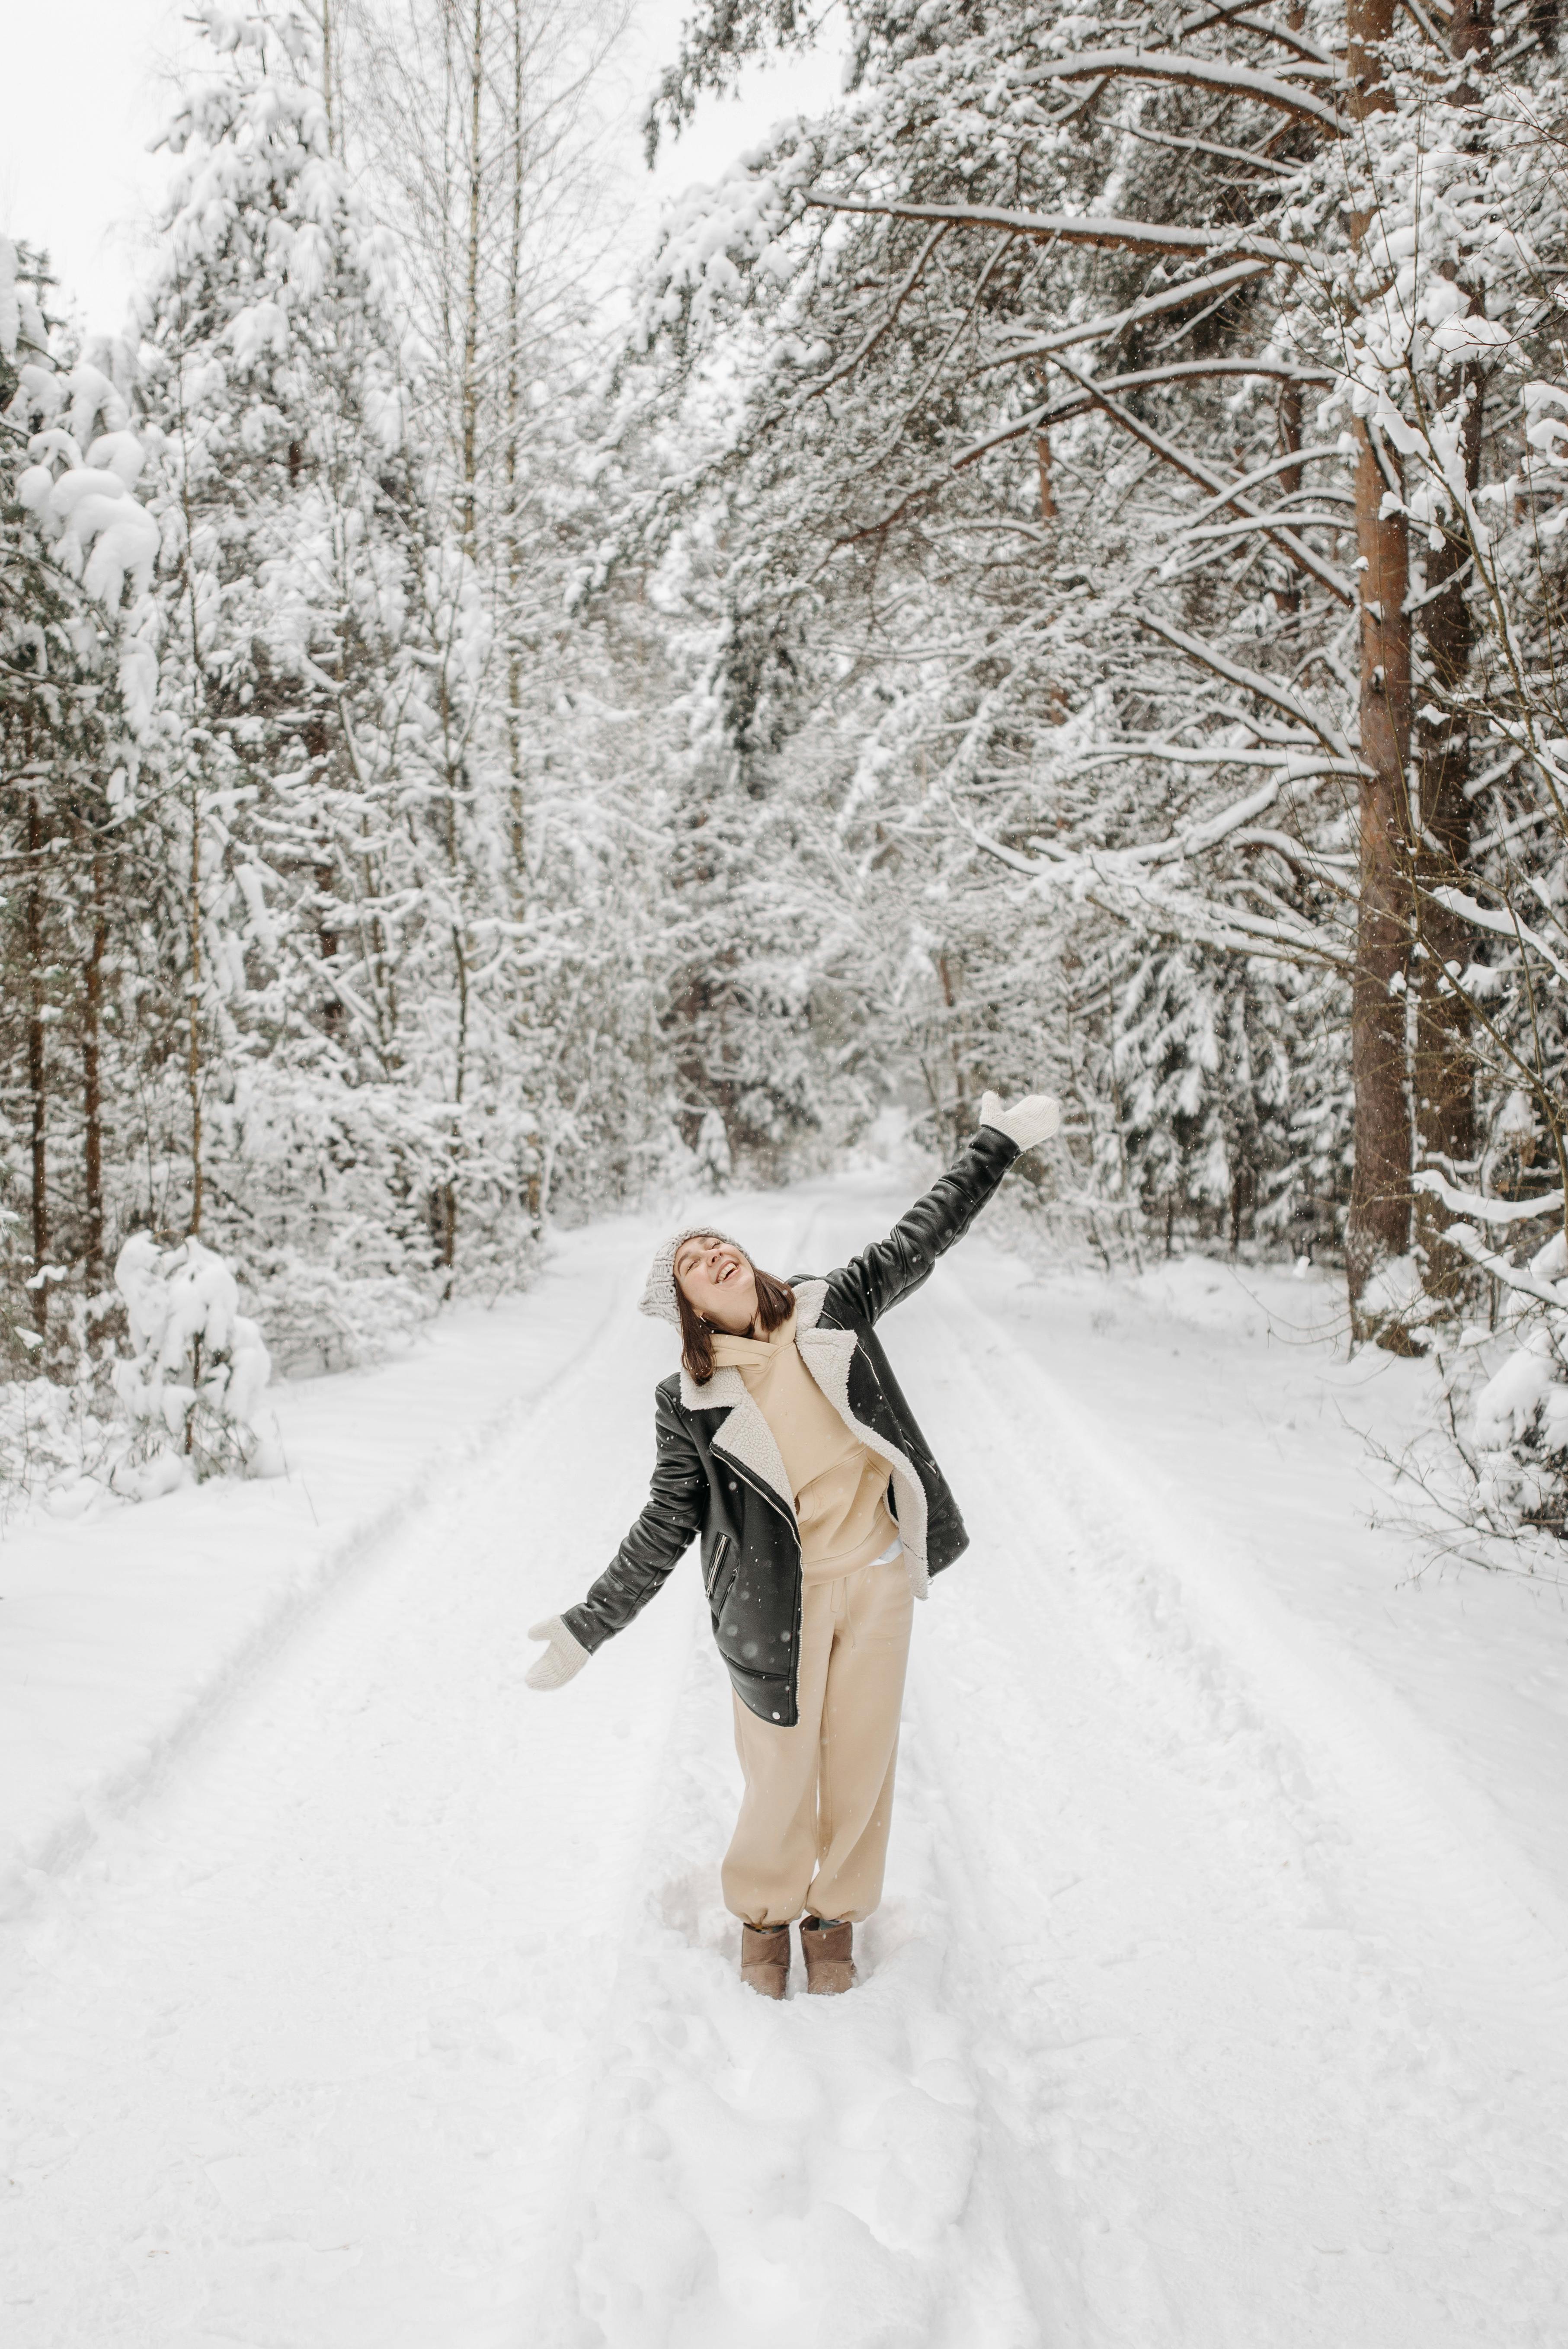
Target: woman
point(784, 1444)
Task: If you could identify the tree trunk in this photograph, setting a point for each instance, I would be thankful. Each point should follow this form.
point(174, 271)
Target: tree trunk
point(1287, 597)
point(1043, 460)
point(37, 1095)
point(1444, 1076)
point(961, 1121)
point(1444, 1084)
point(334, 134)
point(513, 431)
point(1056, 702)
point(471, 287)
point(92, 1084)
point(1378, 1225)
point(1470, 30)
point(449, 1199)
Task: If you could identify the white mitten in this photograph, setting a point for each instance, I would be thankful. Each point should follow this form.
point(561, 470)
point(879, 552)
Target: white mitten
point(561, 1660)
point(1033, 1119)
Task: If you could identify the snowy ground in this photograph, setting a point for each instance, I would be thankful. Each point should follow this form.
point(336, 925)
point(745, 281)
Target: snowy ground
point(352, 1997)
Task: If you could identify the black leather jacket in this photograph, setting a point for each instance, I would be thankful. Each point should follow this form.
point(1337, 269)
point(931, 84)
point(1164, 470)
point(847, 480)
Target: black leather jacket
point(712, 1478)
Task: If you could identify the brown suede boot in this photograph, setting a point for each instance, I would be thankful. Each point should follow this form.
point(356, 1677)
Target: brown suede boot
point(765, 1959)
point(827, 1949)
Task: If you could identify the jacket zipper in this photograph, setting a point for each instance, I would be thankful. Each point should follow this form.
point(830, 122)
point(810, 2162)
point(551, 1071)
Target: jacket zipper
point(720, 1552)
point(764, 1494)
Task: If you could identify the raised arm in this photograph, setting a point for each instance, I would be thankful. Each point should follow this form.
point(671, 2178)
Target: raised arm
point(864, 1289)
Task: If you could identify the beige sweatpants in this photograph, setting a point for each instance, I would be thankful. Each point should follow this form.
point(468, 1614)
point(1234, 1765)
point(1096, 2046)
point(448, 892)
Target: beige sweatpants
point(813, 1826)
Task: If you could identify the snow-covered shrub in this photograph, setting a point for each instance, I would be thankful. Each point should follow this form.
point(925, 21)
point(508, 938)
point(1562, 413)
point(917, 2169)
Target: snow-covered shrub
point(1500, 1473)
point(712, 1156)
point(1519, 1423)
point(336, 1314)
point(182, 1407)
point(193, 1384)
point(51, 1443)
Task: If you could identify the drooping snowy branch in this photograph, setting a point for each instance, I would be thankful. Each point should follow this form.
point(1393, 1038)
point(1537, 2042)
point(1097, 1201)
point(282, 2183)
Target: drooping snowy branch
point(1102, 231)
point(1185, 70)
point(1483, 1210)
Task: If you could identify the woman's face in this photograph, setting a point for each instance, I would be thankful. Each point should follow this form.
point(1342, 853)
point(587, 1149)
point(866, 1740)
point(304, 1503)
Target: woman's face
point(718, 1282)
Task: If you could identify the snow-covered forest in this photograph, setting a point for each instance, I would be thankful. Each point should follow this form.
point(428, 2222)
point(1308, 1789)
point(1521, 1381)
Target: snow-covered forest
point(1049, 573)
point(537, 718)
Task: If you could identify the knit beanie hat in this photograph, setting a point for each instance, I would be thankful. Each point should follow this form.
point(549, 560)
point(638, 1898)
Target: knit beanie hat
point(658, 1298)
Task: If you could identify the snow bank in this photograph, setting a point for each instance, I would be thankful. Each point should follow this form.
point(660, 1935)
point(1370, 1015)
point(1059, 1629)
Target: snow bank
point(121, 1634)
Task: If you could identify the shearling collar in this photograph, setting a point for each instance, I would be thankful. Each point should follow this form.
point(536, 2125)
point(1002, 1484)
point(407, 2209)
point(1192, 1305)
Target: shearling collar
point(811, 1295)
point(725, 1390)
point(745, 1437)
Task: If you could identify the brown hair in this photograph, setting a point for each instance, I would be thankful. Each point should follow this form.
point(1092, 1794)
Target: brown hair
point(775, 1303)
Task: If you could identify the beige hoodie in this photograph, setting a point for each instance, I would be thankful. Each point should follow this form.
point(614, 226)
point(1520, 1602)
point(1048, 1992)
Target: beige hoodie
point(840, 1487)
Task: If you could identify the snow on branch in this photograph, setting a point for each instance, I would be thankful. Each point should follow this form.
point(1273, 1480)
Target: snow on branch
point(1283, 461)
point(1210, 832)
point(1483, 1210)
point(821, 385)
point(1296, 767)
point(1074, 228)
point(1062, 409)
point(1095, 330)
point(1290, 36)
point(1525, 739)
point(1068, 405)
point(1179, 914)
point(1125, 876)
point(1196, 73)
point(1251, 680)
point(1300, 554)
point(1101, 879)
point(1469, 1243)
point(1502, 926)
point(1213, 532)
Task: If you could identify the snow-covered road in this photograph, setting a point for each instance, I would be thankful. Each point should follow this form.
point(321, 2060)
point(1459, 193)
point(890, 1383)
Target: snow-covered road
point(1215, 2003)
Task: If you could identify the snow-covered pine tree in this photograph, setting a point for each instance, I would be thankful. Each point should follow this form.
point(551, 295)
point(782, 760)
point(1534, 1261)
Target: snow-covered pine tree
point(324, 649)
point(79, 838)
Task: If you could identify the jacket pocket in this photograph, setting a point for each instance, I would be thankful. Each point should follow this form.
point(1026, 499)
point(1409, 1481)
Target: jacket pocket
point(721, 1551)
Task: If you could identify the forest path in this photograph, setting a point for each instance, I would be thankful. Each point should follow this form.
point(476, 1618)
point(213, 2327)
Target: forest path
point(1204, 2008)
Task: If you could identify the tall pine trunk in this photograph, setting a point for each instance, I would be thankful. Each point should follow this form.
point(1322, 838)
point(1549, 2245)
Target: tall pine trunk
point(1379, 1226)
point(1444, 1084)
point(92, 1083)
point(1444, 1077)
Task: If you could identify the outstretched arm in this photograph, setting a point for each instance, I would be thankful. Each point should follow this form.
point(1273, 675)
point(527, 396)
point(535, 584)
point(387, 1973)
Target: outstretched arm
point(669, 1524)
point(864, 1289)
point(670, 1521)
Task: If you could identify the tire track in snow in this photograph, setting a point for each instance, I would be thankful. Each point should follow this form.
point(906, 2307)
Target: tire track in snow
point(1407, 1843)
point(1269, 2123)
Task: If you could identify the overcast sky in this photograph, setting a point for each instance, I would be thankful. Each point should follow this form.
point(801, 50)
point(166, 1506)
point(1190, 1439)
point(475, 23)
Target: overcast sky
point(86, 90)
